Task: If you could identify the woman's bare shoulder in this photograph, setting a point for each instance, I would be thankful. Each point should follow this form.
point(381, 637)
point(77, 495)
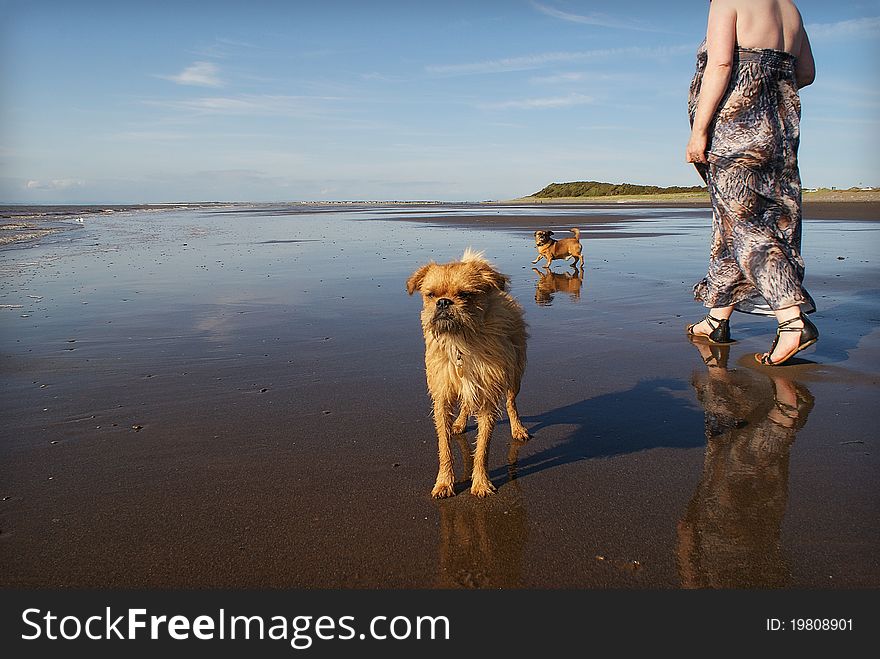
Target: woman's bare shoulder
point(773, 24)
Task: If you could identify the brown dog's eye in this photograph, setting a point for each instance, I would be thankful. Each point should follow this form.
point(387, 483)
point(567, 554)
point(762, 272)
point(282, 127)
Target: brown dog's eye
point(429, 294)
point(465, 295)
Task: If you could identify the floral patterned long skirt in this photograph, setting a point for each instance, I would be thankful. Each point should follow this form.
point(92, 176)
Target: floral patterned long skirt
point(755, 261)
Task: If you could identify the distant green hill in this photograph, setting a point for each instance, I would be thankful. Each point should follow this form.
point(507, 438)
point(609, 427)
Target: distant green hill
point(597, 189)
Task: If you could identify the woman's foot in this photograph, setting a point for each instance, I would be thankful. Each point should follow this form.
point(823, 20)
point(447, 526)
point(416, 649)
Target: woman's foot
point(703, 328)
point(788, 341)
point(711, 328)
point(792, 336)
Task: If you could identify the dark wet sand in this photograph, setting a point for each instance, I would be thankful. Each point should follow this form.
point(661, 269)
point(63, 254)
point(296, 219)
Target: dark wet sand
point(236, 399)
point(841, 210)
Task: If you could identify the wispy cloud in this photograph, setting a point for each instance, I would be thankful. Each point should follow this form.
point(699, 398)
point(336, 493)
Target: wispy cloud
point(54, 184)
point(375, 76)
point(199, 74)
point(539, 103)
point(571, 76)
point(599, 20)
point(575, 77)
point(238, 175)
point(845, 121)
point(222, 48)
point(540, 60)
point(855, 28)
point(148, 136)
point(236, 43)
point(252, 104)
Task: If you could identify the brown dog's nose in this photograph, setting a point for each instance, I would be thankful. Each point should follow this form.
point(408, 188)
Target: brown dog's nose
point(444, 302)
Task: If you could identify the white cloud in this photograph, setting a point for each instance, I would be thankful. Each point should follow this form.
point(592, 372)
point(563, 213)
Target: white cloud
point(540, 103)
point(600, 20)
point(858, 27)
point(845, 121)
point(199, 74)
point(561, 77)
point(148, 136)
point(540, 60)
point(223, 105)
point(575, 76)
point(523, 63)
point(54, 184)
point(249, 104)
point(222, 48)
point(381, 77)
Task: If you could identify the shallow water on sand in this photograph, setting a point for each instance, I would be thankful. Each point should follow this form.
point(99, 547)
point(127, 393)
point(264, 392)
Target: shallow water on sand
point(235, 397)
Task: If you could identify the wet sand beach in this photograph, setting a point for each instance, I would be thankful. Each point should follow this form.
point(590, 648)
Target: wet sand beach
point(235, 396)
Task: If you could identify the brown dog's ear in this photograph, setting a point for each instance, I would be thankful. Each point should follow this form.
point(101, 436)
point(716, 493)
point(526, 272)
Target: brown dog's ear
point(414, 283)
point(492, 278)
point(549, 233)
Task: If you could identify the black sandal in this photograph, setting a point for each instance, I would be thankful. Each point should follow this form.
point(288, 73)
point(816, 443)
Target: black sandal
point(809, 336)
point(720, 330)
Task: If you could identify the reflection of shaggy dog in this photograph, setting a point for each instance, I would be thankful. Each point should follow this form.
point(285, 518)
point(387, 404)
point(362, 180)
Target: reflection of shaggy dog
point(553, 250)
point(475, 355)
point(549, 283)
point(481, 544)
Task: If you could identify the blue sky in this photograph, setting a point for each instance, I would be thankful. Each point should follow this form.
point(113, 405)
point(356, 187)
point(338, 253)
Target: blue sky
point(130, 102)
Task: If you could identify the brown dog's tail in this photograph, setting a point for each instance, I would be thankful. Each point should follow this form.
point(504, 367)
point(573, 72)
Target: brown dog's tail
point(577, 233)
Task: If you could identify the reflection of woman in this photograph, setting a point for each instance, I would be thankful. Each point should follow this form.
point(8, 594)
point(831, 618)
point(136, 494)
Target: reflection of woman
point(745, 115)
point(729, 536)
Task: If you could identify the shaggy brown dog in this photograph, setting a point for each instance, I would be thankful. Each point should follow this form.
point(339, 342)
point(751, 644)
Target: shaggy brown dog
point(558, 249)
point(475, 355)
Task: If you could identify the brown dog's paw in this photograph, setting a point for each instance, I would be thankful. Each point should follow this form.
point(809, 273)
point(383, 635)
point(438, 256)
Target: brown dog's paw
point(520, 434)
point(482, 489)
point(442, 491)
point(458, 428)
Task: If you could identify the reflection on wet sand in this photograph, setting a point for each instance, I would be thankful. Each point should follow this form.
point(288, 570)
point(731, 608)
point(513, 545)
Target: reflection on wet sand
point(482, 540)
point(729, 536)
point(549, 283)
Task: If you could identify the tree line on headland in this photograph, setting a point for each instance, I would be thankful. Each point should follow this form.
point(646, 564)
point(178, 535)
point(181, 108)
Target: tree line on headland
point(599, 189)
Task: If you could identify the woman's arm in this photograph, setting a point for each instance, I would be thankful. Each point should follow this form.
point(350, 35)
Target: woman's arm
point(720, 46)
point(805, 73)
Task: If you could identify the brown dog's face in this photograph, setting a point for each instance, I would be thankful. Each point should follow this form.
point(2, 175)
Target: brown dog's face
point(543, 238)
point(453, 294)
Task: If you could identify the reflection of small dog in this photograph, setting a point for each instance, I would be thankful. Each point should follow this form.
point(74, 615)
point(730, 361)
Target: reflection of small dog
point(475, 355)
point(558, 249)
point(480, 547)
point(549, 283)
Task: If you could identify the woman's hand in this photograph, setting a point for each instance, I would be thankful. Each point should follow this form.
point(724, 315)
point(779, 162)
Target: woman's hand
point(696, 148)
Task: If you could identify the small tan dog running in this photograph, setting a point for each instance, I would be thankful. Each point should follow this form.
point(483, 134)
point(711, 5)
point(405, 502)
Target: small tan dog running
point(558, 249)
point(475, 355)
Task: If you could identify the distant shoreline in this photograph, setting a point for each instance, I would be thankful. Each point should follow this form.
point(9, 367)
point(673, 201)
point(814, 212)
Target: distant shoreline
point(61, 211)
point(29, 222)
point(698, 198)
point(819, 205)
